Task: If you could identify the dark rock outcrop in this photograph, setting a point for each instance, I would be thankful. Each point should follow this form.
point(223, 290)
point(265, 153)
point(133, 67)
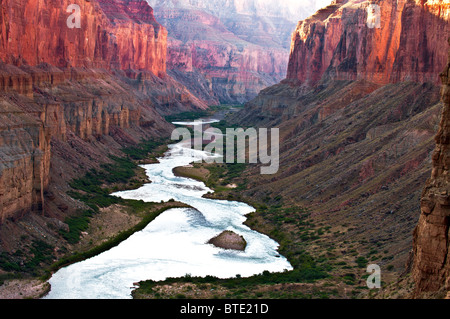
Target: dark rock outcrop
point(229, 240)
point(431, 270)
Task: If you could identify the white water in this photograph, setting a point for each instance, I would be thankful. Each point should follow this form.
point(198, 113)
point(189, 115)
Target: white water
point(202, 121)
point(174, 244)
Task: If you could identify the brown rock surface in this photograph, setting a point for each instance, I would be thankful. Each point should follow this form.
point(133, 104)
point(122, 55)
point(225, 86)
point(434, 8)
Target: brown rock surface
point(229, 240)
point(431, 270)
point(24, 289)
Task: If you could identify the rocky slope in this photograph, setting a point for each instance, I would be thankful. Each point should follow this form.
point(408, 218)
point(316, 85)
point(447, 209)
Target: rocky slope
point(431, 269)
point(357, 116)
point(70, 97)
point(226, 51)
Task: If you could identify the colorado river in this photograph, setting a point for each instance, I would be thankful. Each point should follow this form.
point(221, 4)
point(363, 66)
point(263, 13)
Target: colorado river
point(175, 243)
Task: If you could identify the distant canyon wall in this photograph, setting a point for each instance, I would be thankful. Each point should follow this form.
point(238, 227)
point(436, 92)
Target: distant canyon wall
point(291, 10)
point(225, 59)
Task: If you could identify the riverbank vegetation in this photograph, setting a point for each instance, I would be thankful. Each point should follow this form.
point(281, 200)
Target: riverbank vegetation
point(195, 115)
point(153, 210)
point(321, 268)
point(93, 190)
point(187, 116)
point(297, 283)
point(272, 217)
point(96, 186)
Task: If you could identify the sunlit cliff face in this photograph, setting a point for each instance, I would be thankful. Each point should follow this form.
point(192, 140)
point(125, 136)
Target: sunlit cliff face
point(356, 39)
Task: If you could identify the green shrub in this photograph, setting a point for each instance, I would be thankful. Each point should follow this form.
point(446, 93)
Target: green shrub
point(77, 224)
point(361, 262)
point(186, 116)
point(41, 252)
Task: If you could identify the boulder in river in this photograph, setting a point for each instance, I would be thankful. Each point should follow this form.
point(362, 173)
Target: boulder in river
point(229, 240)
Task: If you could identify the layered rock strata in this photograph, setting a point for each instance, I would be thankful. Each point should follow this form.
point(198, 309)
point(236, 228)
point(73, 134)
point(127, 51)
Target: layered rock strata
point(121, 34)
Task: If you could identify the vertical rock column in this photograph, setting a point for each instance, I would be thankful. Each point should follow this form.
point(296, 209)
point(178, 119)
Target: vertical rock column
point(431, 270)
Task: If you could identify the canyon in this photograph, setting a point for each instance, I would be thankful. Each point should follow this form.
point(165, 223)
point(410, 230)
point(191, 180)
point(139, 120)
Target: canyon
point(227, 52)
point(358, 107)
point(70, 99)
point(358, 113)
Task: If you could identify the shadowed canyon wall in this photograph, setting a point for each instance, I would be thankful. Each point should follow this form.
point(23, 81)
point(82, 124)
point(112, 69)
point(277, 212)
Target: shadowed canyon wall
point(431, 269)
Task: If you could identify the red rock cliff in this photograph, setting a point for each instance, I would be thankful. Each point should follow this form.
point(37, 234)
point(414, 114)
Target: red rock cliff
point(431, 269)
point(121, 34)
point(406, 45)
point(98, 84)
